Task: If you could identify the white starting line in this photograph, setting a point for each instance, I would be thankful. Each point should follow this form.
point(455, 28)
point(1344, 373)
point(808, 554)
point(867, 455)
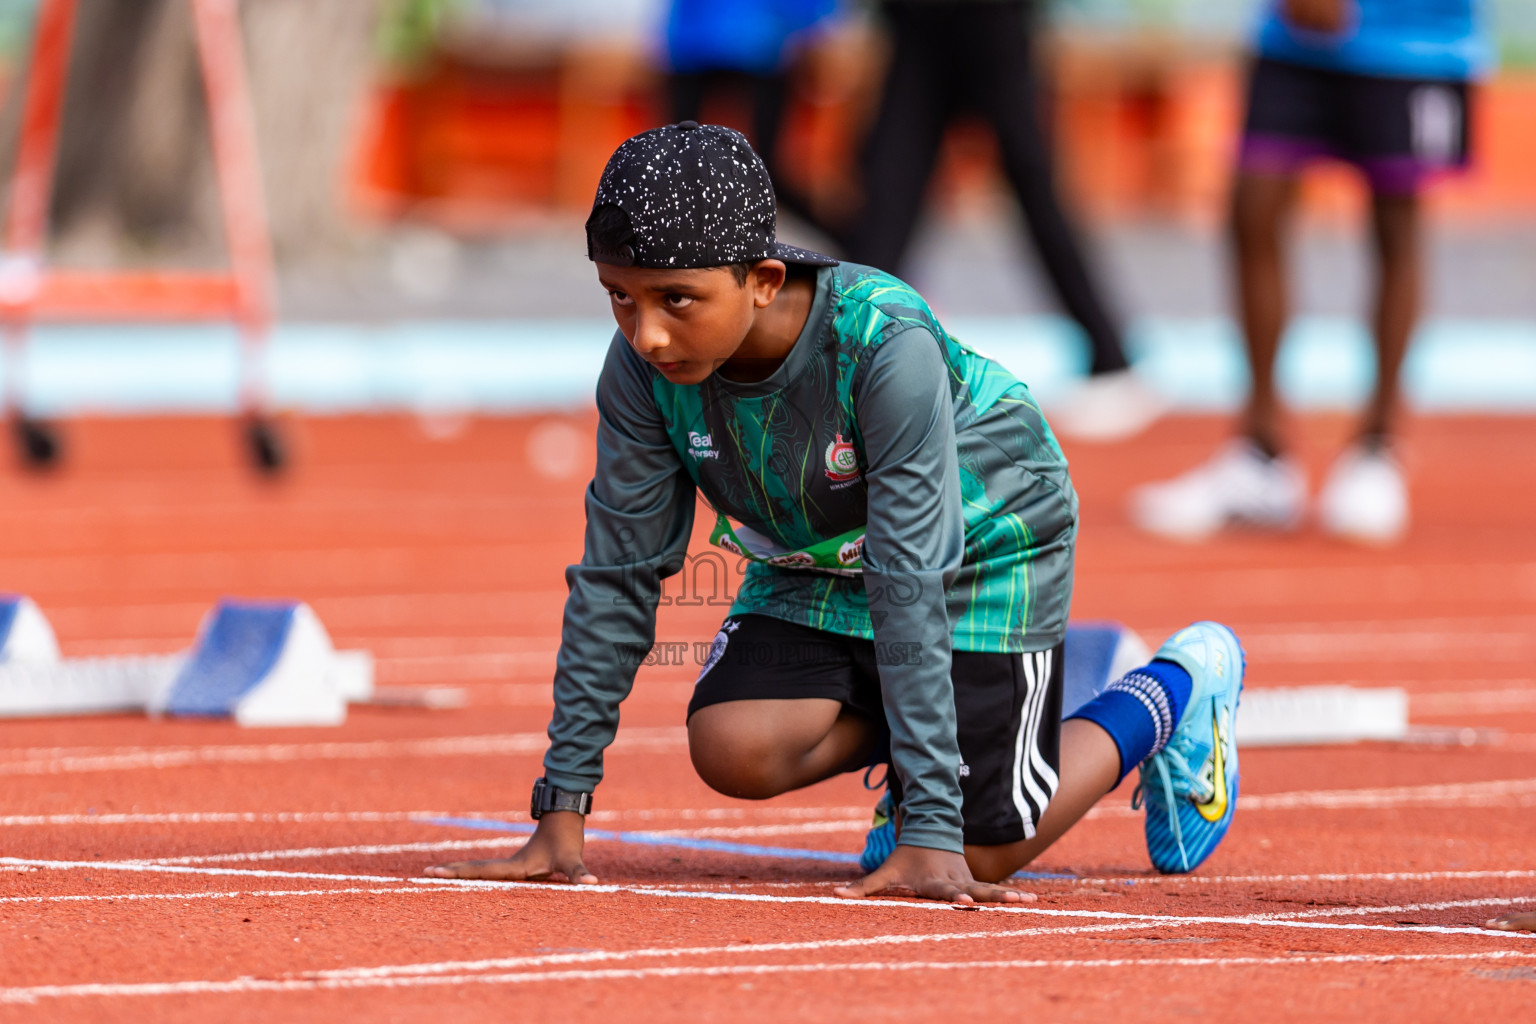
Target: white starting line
point(313, 817)
point(1259, 920)
point(255, 985)
point(817, 820)
point(57, 761)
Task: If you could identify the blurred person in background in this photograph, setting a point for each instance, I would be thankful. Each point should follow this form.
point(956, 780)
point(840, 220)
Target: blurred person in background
point(951, 57)
point(1383, 85)
point(742, 52)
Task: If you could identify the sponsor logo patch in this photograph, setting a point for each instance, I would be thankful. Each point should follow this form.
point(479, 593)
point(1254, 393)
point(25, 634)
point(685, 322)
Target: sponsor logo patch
point(702, 446)
point(793, 560)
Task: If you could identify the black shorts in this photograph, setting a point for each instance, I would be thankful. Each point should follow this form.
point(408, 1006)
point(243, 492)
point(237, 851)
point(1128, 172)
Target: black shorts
point(1398, 131)
point(1007, 707)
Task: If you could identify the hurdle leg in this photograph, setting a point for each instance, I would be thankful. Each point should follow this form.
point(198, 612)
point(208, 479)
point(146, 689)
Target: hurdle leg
point(222, 59)
point(27, 220)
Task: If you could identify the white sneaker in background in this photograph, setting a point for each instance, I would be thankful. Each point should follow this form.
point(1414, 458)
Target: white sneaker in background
point(1241, 485)
point(1365, 498)
point(1108, 407)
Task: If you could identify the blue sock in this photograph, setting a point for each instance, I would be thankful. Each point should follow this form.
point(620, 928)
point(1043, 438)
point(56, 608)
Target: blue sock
point(1140, 710)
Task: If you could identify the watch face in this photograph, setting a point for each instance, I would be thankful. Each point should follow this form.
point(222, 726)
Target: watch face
point(536, 808)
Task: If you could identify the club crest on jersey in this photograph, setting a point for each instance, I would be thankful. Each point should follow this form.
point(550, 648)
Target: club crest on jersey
point(842, 461)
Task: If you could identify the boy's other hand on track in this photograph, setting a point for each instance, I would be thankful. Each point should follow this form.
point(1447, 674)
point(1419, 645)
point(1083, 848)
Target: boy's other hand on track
point(554, 849)
point(1515, 923)
point(932, 874)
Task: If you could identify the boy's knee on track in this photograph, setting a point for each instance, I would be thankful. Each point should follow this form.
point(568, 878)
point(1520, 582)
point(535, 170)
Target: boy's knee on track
point(736, 765)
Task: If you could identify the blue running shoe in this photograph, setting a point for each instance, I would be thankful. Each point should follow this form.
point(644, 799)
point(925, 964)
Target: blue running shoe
point(1190, 786)
point(880, 841)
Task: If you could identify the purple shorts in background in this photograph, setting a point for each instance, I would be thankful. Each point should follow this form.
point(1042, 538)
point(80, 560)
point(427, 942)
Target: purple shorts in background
point(1398, 131)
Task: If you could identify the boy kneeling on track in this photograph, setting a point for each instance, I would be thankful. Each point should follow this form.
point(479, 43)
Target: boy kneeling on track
point(909, 524)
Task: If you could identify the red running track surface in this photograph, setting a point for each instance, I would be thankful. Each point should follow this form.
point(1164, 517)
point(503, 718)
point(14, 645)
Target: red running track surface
point(194, 871)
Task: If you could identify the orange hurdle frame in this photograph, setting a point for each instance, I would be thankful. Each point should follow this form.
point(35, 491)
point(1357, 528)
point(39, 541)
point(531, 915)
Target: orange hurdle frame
point(30, 291)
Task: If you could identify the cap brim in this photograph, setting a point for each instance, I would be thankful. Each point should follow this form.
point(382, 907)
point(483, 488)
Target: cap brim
point(795, 254)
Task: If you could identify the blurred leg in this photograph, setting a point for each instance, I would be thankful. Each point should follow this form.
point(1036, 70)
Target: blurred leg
point(1399, 296)
point(1003, 87)
point(1261, 205)
point(904, 142)
point(685, 95)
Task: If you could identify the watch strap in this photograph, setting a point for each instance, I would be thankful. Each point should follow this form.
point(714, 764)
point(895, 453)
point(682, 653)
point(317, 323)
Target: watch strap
point(548, 798)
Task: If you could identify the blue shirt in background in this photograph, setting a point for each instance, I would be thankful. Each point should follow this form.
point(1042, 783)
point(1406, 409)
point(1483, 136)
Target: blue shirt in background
point(737, 35)
point(1443, 39)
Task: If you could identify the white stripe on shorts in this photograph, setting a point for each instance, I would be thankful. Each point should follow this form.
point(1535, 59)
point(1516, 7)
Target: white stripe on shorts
point(1040, 683)
point(1045, 772)
point(1026, 814)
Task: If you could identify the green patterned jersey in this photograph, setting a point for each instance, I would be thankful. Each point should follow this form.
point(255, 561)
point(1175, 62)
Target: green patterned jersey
point(885, 482)
point(783, 469)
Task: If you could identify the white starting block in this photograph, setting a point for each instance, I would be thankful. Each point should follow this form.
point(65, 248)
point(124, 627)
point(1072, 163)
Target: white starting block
point(25, 634)
point(1098, 653)
point(1305, 716)
point(260, 663)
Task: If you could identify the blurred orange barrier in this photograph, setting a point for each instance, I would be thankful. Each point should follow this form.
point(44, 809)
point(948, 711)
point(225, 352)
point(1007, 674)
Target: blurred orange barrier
point(29, 290)
point(472, 144)
point(1143, 127)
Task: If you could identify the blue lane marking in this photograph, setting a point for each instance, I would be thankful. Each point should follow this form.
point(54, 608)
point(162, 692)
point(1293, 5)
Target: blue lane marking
point(651, 839)
point(684, 843)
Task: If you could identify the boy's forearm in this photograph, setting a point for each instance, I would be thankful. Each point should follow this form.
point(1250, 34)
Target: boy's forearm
point(913, 647)
point(610, 625)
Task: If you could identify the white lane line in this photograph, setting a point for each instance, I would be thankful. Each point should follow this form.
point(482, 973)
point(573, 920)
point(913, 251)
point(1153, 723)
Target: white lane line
point(134, 897)
point(736, 897)
point(598, 956)
point(1492, 793)
point(180, 869)
point(676, 952)
point(1351, 877)
point(371, 850)
point(805, 828)
point(254, 985)
point(1405, 908)
point(240, 817)
point(1501, 638)
point(498, 842)
point(1519, 697)
point(53, 762)
point(304, 817)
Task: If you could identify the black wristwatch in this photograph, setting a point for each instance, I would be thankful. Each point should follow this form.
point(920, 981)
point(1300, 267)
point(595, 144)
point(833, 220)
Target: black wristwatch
point(552, 798)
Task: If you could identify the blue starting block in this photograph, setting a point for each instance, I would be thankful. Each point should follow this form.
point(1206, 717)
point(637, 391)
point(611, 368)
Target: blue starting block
point(1095, 655)
point(261, 663)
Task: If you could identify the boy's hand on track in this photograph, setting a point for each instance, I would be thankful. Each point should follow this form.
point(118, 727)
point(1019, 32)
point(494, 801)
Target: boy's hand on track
point(932, 874)
point(1514, 923)
point(554, 849)
point(1318, 15)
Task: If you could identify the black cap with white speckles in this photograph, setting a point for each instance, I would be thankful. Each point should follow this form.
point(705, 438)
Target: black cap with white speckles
point(688, 195)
